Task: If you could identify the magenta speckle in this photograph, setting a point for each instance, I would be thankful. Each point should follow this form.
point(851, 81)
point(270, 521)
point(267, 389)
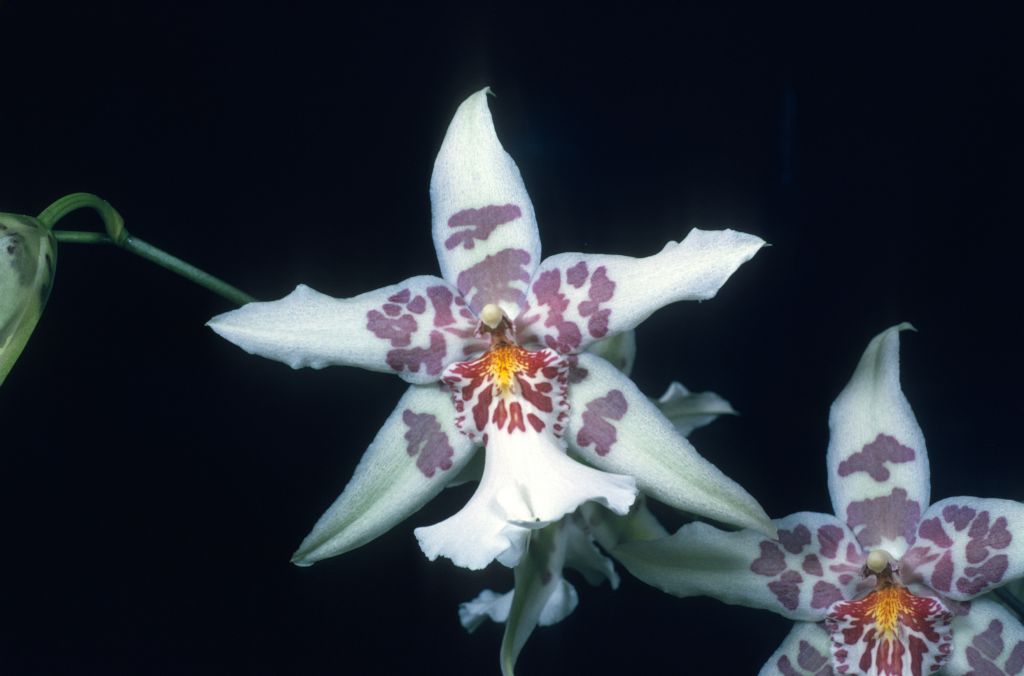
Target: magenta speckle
point(400, 297)
point(890, 516)
point(391, 310)
point(829, 538)
point(601, 290)
point(958, 516)
point(931, 529)
point(431, 358)
point(873, 456)
point(990, 641)
point(417, 305)
point(596, 429)
point(398, 331)
point(479, 224)
point(492, 279)
point(787, 589)
point(771, 562)
point(812, 565)
point(547, 289)
point(795, 540)
point(982, 537)
point(441, 298)
point(825, 594)
point(426, 438)
point(810, 659)
point(942, 574)
point(577, 274)
point(989, 573)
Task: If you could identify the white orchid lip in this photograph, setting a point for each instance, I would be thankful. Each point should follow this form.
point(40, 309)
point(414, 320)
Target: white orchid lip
point(515, 401)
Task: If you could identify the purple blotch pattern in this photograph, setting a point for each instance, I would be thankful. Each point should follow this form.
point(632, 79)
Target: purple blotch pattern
point(795, 540)
point(565, 334)
point(774, 563)
point(479, 224)
point(601, 290)
point(984, 536)
point(395, 321)
point(596, 429)
point(873, 456)
point(426, 439)
point(889, 516)
point(491, 279)
point(547, 290)
point(431, 358)
point(809, 659)
point(985, 650)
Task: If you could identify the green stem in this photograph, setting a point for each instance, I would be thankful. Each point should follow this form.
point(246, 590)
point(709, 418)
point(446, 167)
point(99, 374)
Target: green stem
point(118, 236)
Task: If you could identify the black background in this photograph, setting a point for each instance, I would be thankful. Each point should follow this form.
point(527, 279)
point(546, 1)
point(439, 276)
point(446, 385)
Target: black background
point(155, 479)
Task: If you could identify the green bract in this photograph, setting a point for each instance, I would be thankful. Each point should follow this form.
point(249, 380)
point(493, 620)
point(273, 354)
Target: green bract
point(28, 260)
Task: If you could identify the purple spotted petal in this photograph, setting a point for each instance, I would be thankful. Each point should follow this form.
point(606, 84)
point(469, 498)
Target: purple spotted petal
point(575, 299)
point(804, 652)
point(988, 641)
point(877, 462)
point(415, 329)
point(820, 567)
point(413, 457)
point(614, 427)
point(968, 546)
point(485, 233)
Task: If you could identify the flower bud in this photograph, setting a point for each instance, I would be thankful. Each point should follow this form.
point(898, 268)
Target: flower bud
point(28, 258)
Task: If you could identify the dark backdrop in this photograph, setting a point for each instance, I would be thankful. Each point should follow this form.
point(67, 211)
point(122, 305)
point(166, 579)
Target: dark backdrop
point(155, 479)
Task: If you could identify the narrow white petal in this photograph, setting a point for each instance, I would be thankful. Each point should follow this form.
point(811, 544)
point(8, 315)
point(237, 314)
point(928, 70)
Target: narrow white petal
point(485, 232)
point(614, 427)
point(877, 462)
point(576, 299)
point(417, 451)
point(415, 329)
point(487, 604)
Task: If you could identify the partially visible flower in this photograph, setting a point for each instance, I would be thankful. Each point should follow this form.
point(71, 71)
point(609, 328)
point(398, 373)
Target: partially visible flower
point(892, 585)
point(491, 351)
point(28, 260)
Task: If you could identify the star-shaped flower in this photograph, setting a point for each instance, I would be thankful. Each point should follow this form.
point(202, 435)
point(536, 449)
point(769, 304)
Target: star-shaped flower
point(882, 588)
point(491, 352)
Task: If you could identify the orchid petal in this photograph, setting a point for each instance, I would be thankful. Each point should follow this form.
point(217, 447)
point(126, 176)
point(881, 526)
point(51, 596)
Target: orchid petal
point(968, 546)
point(614, 427)
point(815, 562)
point(610, 530)
point(415, 328)
point(485, 231)
point(528, 482)
point(877, 462)
point(690, 410)
point(414, 455)
point(487, 604)
point(987, 640)
point(804, 652)
point(576, 299)
point(583, 555)
point(542, 596)
point(515, 401)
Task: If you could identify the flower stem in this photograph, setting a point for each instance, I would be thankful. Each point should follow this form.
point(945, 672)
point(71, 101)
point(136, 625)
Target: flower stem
point(118, 236)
